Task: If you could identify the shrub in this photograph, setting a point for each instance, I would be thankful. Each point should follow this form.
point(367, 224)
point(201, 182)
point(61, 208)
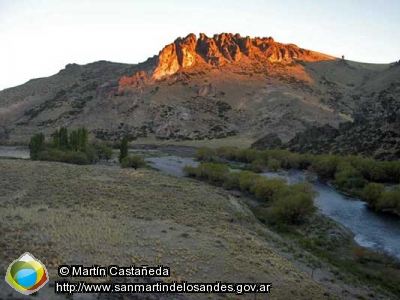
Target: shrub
point(52, 155)
point(91, 153)
point(389, 200)
point(304, 187)
point(305, 161)
point(247, 180)
point(76, 157)
point(325, 165)
point(232, 181)
point(391, 171)
point(370, 169)
point(258, 165)
point(372, 192)
point(70, 157)
point(347, 177)
point(191, 171)
point(292, 208)
point(266, 189)
point(229, 153)
point(103, 152)
point(134, 161)
point(248, 155)
point(273, 164)
point(214, 173)
point(203, 153)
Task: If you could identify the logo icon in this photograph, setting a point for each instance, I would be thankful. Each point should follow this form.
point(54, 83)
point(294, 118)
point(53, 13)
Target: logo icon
point(27, 274)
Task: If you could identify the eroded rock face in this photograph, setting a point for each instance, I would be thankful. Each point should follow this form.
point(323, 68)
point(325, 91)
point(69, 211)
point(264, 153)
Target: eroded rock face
point(135, 81)
point(226, 48)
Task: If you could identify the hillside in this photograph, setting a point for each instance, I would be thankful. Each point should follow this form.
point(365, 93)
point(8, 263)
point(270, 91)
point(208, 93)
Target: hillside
point(199, 88)
point(375, 131)
point(202, 233)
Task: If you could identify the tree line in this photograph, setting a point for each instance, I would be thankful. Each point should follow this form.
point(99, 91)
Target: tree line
point(359, 176)
point(69, 147)
point(74, 147)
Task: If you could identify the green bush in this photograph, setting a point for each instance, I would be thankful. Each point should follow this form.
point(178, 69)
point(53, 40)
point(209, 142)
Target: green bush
point(247, 180)
point(248, 155)
point(372, 193)
point(347, 177)
point(134, 161)
point(191, 171)
point(52, 155)
point(273, 164)
point(70, 157)
point(266, 189)
point(76, 157)
point(258, 165)
point(389, 200)
point(370, 169)
point(203, 153)
point(214, 173)
point(91, 153)
point(391, 171)
point(285, 158)
point(229, 153)
point(325, 165)
point(103, 152)
point(231, 181)
point(293, 208)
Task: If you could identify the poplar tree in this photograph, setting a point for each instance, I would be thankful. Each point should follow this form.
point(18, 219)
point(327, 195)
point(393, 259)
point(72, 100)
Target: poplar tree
point(123, 149)
point(56, 139)
point(64, 142)
point(36, 144)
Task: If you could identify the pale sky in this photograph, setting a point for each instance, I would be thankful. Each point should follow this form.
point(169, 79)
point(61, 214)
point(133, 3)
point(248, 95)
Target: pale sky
point(39, 37)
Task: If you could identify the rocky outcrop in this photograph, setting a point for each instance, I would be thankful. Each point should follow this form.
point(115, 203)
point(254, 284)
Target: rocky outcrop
point(378, 138)
point(322, 135)
point(218, 50)
point(226, 48)
point(135, 81)
point(269, 142)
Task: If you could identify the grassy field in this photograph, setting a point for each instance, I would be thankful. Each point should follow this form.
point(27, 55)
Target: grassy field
point(68, 214)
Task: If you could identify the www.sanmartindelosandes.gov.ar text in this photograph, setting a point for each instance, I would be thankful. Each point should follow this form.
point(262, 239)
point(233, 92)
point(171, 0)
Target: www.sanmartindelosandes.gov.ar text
point(161, 287)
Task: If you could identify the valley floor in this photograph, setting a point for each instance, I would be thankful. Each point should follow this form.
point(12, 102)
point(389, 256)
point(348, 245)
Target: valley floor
point(101, 214)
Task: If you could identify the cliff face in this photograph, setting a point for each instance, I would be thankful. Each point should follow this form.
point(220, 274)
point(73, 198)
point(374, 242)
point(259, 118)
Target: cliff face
point(226, 48)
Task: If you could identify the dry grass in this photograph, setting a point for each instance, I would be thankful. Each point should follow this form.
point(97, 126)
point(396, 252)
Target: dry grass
point(66, 214)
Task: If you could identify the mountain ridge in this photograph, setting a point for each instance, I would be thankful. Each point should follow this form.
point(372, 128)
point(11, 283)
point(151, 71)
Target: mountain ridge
point(199, 88)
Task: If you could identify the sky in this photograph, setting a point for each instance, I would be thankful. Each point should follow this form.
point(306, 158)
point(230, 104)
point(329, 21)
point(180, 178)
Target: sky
point(39, 37)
